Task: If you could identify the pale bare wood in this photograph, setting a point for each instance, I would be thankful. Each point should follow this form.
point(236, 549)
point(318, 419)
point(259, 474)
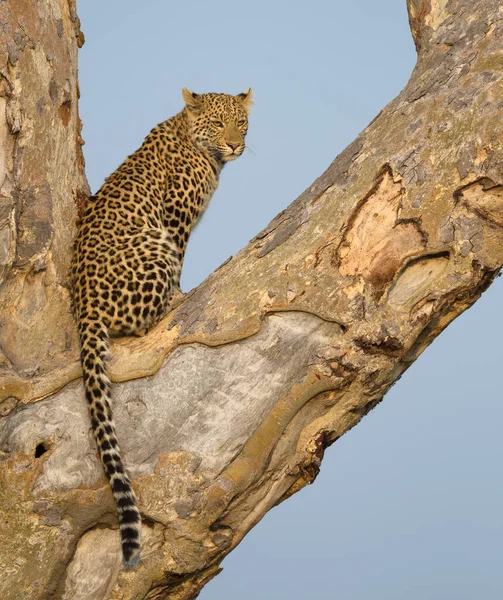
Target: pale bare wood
point(225, 408)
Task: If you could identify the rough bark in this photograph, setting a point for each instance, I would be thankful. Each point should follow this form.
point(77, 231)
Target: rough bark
point(226, 407)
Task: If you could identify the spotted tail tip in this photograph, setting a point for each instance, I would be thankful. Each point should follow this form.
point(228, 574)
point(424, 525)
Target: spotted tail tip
point(130, 557)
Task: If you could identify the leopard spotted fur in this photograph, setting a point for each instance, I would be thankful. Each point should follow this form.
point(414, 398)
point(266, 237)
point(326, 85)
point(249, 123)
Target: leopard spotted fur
point(129, 251)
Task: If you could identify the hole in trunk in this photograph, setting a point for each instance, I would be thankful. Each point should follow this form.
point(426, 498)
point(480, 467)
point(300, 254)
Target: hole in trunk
point(40, 449)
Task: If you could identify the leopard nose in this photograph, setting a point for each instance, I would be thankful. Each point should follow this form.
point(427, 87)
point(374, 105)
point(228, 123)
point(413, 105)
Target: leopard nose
point(233, 145)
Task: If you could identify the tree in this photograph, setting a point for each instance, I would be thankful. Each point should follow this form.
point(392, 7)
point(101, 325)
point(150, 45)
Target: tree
point(274, 357)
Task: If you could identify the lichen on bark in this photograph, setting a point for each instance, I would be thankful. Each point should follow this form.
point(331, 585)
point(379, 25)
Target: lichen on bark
point(225, 408)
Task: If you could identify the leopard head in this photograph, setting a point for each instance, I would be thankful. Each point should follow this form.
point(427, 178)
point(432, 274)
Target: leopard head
point(218, 123)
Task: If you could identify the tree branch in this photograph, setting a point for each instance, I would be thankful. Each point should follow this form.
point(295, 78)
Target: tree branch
point(226, 407)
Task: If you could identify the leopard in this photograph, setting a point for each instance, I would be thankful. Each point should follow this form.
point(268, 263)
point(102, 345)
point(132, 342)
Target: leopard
point(128, 255)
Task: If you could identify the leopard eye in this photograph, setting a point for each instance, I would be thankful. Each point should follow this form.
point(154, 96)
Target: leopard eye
point(217, 123)
point(241, 123)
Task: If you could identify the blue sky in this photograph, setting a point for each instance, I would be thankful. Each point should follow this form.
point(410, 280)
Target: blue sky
point(408, 504)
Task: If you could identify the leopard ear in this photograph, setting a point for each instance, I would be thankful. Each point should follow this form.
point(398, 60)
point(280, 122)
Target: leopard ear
point(246, 99)
point(192, 100)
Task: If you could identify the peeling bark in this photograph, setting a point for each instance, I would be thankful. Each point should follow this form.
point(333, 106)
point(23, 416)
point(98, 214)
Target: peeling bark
point(41, 180)
point(226, 407)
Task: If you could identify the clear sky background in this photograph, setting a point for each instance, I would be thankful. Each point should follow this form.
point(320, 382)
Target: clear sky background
point(408, 505)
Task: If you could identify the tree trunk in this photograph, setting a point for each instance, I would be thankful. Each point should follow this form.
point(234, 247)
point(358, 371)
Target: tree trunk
point(226, 407)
